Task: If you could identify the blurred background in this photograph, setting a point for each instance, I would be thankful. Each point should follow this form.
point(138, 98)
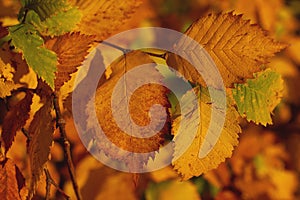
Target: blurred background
point(266, 163)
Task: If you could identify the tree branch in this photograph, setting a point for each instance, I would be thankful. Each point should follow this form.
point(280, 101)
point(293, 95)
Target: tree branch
point(49, 182)
point(60, 123)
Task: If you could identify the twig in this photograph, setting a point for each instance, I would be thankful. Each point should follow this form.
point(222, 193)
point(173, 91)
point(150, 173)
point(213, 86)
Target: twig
point(125, 51)
point(49, 182)
point(60, 123)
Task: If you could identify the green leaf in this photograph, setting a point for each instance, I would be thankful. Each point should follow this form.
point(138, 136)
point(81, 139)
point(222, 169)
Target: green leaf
point(55, 25)
point(45, 8)
point(27, 40)
point(257, 98)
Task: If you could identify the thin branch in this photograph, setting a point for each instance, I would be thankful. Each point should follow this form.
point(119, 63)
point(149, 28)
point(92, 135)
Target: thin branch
point(163, 56)
point(125, 51)
point(49, 182)
point(60, 123)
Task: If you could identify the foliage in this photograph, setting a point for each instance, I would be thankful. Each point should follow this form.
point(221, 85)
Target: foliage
point(44, 43)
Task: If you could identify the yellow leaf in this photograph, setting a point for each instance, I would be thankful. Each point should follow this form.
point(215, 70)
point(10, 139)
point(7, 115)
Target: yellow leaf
point(190, 164)
point(237, 48)
point(7, 84)
point(40, 130)
point(103, 17)
point(139, 104)
point(71, 50)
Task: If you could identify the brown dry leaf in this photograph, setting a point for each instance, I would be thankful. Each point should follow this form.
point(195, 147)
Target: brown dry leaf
point(103, 17)
point(15, 119)
point(237, 48)
point(11, 181)
point(3, 30)
point(71, 50)
point(189, 164)
point(40, 130)
point(139, 103)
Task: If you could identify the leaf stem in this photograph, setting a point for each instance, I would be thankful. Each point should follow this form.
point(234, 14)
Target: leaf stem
point(49, 182)
point(60, 123)
point(125, 51)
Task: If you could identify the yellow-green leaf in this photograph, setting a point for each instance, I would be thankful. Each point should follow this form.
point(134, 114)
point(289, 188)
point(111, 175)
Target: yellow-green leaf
point(257, 98)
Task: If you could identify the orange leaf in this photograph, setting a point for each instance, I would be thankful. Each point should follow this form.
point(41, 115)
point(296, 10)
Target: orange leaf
point(103, 17)
point(11, 181)
point(139, 104)
point(71, 50)
point(237, 48)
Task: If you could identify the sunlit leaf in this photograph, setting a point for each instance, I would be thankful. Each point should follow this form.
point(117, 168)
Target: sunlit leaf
point(103, 17)
point(71, 50)
point(190, 164)
point(258, 97)
point(237, 48)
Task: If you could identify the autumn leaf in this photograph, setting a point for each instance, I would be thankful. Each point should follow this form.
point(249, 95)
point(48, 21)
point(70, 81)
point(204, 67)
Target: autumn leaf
point(40, 130)
point(15, 119)
point(189, 164)
point(139, 104)
point(97, 181)
point(237, 48)
point(258, 97)
point(45, 8)
point(11, 181)
point(103, 17)
point(71, 50)
point(7, 84)
point(27, 41)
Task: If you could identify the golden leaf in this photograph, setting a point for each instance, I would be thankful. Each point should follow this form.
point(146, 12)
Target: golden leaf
point(139, 104)
point(103, 17)
point(11, 181)
point(237, 48)
point(15, 119)
point(71, 50)
point(189, 164)
point(40, 130)
point(7, 84)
